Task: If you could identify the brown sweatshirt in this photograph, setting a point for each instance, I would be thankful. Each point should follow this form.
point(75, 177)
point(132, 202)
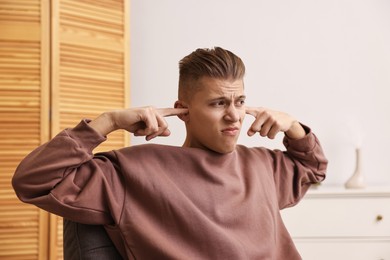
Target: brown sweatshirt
point(167, 202)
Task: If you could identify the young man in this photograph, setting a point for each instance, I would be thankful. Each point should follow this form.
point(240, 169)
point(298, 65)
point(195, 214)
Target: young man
point(209, 199)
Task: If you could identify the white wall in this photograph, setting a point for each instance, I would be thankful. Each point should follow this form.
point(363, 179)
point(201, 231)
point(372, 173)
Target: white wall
point(325, 62)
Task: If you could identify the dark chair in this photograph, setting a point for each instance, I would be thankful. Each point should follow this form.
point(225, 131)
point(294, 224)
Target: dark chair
point(87, 242)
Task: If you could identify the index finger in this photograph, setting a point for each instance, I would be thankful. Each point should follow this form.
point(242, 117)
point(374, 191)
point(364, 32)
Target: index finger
point(172, 111)
point(254, 111)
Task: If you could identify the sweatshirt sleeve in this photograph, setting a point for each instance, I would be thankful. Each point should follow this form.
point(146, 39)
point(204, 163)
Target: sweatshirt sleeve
point(303, 164)
point(65, 178)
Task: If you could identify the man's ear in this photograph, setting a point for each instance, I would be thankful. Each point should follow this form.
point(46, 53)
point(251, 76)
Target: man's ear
point(180, 104)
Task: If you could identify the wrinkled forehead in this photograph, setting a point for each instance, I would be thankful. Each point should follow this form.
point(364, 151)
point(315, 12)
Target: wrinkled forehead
point(221, 87)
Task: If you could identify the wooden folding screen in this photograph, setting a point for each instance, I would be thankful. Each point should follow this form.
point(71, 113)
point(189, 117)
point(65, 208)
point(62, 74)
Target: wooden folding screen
point(60, 61)
point(89, 64)
point(24, 93)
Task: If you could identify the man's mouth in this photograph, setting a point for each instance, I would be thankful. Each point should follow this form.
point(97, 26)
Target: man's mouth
point(231, 131)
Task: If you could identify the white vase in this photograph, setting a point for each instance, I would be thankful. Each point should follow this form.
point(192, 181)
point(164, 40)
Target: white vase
point(356, 181)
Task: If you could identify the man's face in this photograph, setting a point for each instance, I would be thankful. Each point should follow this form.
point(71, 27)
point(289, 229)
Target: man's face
point(216, 112)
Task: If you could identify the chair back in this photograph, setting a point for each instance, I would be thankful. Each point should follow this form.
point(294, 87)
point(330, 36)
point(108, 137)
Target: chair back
point(87, 242)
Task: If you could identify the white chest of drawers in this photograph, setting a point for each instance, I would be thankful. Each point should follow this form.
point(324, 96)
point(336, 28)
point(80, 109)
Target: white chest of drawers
point(340, 224)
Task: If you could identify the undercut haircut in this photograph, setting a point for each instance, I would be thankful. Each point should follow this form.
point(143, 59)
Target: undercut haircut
point(216, 63)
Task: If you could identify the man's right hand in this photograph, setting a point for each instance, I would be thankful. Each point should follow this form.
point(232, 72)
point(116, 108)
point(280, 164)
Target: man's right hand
point(142, 121)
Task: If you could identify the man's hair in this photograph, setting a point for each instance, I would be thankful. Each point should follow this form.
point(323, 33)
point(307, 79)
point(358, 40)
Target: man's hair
point(215, 63)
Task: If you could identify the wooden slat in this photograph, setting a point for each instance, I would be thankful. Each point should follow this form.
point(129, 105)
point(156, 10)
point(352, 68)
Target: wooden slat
point(92, 14)
point(69, 35)
point(18, 31)
point(19, 11)
point(115, 8)
point(88, 23)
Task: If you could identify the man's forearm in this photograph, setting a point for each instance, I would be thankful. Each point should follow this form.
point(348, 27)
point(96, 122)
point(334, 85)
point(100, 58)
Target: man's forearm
point(103, 124)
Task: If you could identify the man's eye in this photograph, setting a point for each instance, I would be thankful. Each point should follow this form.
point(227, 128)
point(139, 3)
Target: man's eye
point(219, 103)
point(240, 103)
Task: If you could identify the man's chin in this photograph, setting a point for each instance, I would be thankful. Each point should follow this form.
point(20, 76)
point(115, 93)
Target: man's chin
point(225, 149)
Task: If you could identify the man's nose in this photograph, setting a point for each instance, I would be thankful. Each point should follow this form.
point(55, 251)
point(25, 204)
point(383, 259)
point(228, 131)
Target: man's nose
point(232, 114)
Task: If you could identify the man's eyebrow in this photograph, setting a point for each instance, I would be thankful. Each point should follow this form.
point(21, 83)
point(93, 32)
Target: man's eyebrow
point(217, 98)
point(228, 98)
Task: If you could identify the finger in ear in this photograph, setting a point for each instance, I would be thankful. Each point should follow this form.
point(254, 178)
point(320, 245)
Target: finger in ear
point(181, 104)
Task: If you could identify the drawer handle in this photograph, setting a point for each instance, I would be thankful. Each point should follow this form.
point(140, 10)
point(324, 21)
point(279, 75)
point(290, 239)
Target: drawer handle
point(379, 218)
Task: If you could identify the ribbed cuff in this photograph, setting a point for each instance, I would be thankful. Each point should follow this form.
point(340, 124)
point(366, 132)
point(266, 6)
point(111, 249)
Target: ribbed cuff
point(85, 135)
point(305, 144)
